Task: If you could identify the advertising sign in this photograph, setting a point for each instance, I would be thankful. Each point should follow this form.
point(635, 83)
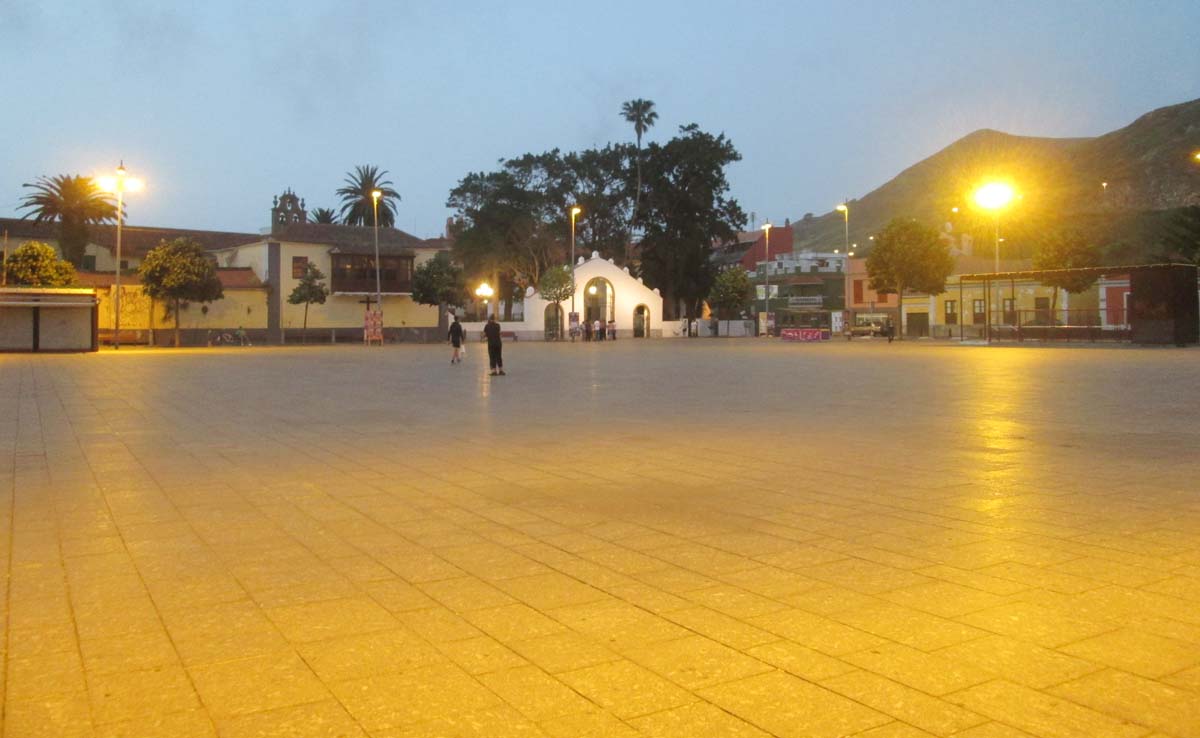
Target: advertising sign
point(804, 334)
point(373, 326)
point(837, 322)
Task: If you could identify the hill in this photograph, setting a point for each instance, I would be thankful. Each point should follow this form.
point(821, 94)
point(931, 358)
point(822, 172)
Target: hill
point(1149, 166)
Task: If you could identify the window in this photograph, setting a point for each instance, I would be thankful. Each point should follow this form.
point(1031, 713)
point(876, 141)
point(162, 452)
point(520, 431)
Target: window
point(951, 312)
point(124, 264)
point(89, 263)
point(356, 273)
point(299, 264)
point(978, 313)
point(858, 290)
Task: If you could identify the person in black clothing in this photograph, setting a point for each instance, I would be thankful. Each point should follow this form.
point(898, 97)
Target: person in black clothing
point(492, 332)
point(456, 340)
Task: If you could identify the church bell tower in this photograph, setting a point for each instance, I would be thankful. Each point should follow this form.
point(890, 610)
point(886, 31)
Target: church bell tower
point(287, 209)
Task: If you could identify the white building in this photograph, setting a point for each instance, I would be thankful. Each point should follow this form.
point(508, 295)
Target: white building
point(604, 292)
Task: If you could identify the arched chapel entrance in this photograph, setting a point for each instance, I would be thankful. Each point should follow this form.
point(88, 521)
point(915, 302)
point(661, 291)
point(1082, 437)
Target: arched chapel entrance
point(641, 322)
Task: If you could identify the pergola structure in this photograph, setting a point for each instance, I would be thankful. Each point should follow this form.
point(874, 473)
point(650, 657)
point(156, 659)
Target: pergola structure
point(1164, 305)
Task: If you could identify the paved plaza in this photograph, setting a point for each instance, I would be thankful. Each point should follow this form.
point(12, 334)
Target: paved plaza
point(727, 538)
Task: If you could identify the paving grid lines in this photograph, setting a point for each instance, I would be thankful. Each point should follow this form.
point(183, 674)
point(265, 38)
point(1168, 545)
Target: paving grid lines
point(656, 538)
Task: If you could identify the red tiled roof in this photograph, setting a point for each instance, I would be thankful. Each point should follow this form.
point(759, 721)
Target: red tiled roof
point(135, 240)
point(353, 239)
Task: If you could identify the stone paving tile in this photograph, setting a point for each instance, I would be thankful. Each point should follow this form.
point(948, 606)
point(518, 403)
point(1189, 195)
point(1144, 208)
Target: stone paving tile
point(903, 703)
point(788, 707)
point(1138, 700)
point(1042, 714)
point(226, 553)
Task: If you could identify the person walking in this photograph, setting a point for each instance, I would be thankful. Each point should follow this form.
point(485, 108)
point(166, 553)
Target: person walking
point(612, 330)
point(596, 330)
point(491, 331)
point(456, 335)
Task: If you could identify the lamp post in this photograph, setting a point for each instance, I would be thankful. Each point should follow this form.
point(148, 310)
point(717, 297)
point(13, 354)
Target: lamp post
point(375, 195)
point(995, 196)
point(119, 185)
point(485, 292)
point(844, 209)
point(767, 278)
point(575, 211)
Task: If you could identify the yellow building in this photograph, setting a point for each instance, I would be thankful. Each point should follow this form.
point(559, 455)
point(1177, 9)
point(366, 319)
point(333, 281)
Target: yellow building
point(963, 309)
point(346, 256)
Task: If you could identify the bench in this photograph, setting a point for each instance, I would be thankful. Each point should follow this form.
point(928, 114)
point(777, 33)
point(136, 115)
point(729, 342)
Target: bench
point(504, 336)
point(107, 335)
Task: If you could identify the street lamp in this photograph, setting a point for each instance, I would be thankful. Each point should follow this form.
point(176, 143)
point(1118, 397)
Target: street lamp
point(484, 292)
point(375, 195)
point(767, 277)
point(995, 196)
point(575, 211)
point(119, 185)
point(844, 209)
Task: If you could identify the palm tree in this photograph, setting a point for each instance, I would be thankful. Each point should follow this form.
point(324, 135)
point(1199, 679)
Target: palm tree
point(357, 206)
point(641, 114)
point(323, 215)
point(75, 202)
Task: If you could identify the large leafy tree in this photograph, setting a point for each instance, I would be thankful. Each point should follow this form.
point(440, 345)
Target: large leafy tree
point(74, 202)
point(357, 203)
point(556, 285)
point(908, 255)
point(641, 114)
point(1065, 250)
point(730, 291)
point(309, 290)
point(36, 264)
point(439, 281)
point(688, 209)
point(177, 272)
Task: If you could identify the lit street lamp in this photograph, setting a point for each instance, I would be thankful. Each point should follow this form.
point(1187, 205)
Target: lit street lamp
point(844, 209)
point(767, 278)
point(995, 196)
point(575, 211)
point(119, 185)
point(375, 195)
point(484, 292)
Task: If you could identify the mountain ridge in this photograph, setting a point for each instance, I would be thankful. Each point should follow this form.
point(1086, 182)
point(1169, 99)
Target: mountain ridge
point(1148, 164)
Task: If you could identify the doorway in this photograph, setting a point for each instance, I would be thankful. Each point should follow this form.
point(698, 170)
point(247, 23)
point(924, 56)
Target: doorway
point(641, 322)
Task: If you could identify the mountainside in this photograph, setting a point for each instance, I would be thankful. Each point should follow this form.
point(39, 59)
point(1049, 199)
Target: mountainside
point(1149, 166)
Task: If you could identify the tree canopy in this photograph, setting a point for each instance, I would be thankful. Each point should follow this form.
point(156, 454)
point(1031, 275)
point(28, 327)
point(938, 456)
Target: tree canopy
point(730, 291)
point(36, 264)
point(323, 215)
point(1066, 250)
point(439, 282)
point(180, 271)
point(513, 224)
point(687, 210)
point(908, 256)
point(74, 202)
point(358, 207)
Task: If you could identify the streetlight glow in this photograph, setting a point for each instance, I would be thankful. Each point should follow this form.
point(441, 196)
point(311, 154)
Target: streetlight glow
point(484, 290)
point(994, 196)
point(841, 208)
point(376, 194)
point(118, 186)
point(592, 290)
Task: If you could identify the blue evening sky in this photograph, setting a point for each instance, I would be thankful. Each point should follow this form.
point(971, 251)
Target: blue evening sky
point(221, 105)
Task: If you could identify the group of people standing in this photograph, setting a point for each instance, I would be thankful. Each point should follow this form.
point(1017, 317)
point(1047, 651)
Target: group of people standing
point(597, 330)
point(457, 335)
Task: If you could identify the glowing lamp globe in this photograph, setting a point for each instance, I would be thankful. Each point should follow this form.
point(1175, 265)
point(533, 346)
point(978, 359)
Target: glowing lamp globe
point(994, 196)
